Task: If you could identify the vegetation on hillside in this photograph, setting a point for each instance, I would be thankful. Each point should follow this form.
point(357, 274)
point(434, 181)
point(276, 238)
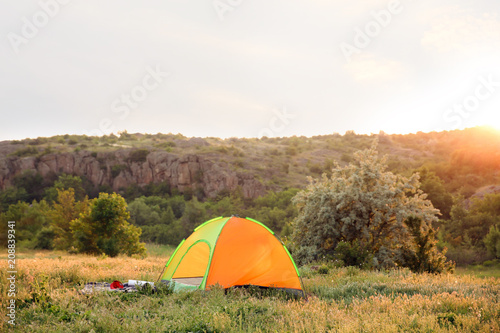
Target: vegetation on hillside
point(452, 166)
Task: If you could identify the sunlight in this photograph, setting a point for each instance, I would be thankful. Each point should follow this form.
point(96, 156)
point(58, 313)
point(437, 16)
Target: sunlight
point(491, 119)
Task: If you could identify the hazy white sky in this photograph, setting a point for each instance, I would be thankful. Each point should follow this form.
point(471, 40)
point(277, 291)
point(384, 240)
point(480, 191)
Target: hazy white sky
point(247, 68)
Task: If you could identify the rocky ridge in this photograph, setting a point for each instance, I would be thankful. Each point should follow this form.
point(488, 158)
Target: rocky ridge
point(117, 170)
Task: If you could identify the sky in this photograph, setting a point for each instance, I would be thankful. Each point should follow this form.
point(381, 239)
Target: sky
point(241, 68)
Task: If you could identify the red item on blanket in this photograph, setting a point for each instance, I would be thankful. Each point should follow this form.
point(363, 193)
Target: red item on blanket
point(116, 285)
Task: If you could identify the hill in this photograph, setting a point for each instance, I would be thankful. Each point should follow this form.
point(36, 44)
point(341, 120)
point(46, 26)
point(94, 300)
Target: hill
point(173, 183)
point(464, 159)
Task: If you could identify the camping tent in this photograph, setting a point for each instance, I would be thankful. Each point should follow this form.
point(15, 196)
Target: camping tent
point(232, 251)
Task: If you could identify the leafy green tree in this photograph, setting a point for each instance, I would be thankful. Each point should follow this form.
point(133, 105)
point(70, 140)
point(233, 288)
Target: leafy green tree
point(164, 234)
point(30, 220)
point(468, 227)
point(226, 205)
point(178, 205)
point(104, 228)
point(275, 209)
point(143, 214)
point(65, 210)
point(492, 241)
point(431, 184)
point(422, 254)
point(194, 214)
point(360, 204)
point(10, 196)
point(32, 182)
point(65, 182)
point(156, 219)
point(158, 189)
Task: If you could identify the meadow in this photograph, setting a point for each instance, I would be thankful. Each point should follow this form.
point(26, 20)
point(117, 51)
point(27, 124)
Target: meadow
point(343, 299)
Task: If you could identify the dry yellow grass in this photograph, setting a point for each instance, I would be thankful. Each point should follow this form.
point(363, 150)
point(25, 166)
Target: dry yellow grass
point(65, 270)
point(345, 300)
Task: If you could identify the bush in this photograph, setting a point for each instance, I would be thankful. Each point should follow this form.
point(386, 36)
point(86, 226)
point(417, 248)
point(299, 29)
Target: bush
point(464, 256)
point(23, 152)
point(323, 269)
point(291, 151)
point(45, 239)
point(489, 263)
point(351, 254)
point(360, 215)
point(316, 168)
point(165, 145)
point(138, 156)
point(117, 169)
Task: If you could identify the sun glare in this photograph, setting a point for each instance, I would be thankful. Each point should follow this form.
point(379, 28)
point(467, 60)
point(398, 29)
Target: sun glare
point(492, 120)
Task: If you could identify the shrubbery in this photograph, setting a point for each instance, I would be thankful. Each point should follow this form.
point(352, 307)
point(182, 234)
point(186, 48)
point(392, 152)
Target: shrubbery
point(138, 156)
point(366, 216)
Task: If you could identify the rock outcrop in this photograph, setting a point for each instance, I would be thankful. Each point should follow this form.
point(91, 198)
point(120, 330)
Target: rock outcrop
point(480, 193)
point(116, 169)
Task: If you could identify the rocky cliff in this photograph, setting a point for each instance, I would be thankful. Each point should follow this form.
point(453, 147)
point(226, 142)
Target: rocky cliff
point(118, 170)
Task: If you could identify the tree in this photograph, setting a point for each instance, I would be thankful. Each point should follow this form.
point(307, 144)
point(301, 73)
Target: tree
point(361, 205)
point(431, 184)
point(30, 219)
point(103, 228)
point(144, 214)
point(33, 184)
point(65, 210)
point(422, 255)
point(65, 182)
point(156, 219)
point(10, 196)
point(492, 241)
point(194, 214)
point(473, 224)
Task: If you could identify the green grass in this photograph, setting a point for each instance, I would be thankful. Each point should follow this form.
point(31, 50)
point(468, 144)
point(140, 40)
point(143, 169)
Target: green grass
point(340, 300)
point(158, 250)
point(480, 271)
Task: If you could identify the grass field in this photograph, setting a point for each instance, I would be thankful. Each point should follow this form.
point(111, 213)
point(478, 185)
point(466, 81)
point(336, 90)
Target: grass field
point(343, 300)
point(480, 271)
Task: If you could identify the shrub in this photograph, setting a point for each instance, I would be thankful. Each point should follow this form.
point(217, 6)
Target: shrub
point(23, 152)
point(359, 215)
point(165, 145)
point(38, 141)
point(45, 239)
point(323, 269)
point(291, 151)
point(316, 168)
point(346, 157)
point(138, 156)
point(351, 254)
point(222, 150)
point(117, 169)
point(489, 263)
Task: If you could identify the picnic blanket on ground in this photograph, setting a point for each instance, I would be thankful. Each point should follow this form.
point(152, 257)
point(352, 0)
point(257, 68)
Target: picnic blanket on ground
point(115, 286)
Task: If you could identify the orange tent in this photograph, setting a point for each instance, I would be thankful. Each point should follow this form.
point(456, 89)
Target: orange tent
point(232, 251)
